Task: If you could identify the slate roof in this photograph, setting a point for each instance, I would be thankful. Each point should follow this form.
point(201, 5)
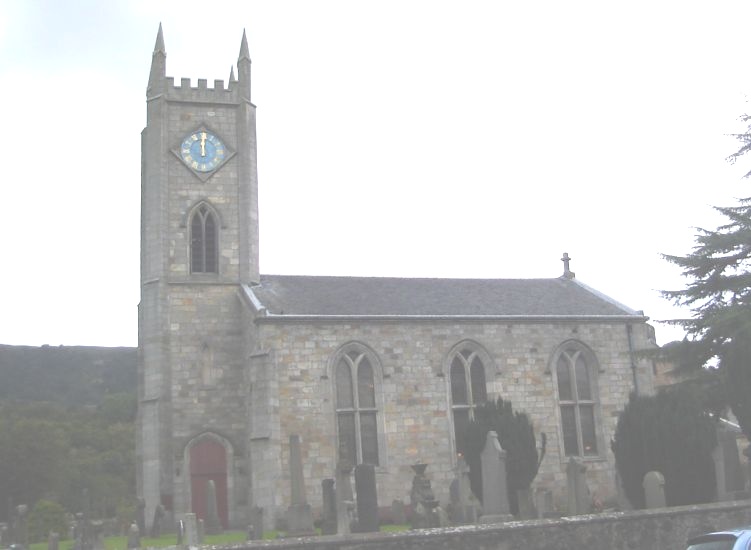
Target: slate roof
point(313, 296)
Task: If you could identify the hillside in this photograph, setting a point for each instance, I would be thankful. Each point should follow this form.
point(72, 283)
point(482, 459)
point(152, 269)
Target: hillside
point(75, 375)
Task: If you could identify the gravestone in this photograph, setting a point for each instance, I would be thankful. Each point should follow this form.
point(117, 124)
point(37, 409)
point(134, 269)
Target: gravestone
point(53, 541)
point(495, 505)
point(156, 526)
point(345, 500)
point(328, 512)
point(544, 503)
point(579, 500)
point(180, 531)
point(729, 474)
point(191, 530)
point(299, 514)
point(201, 530)
point(367, 498)
point(654, 490)
point(134, 536)
point(527, 509)
point(255, 529)
point(620, 493)
point(464, 508)
point(22, 525)
point(425, 511)
point(398, 514)
point(213, 524)
point(141, 516)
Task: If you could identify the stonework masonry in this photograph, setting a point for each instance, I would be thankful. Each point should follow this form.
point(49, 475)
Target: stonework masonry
point(231, 363)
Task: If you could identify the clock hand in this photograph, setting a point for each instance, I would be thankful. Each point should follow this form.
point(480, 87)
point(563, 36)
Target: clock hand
point(203, 144)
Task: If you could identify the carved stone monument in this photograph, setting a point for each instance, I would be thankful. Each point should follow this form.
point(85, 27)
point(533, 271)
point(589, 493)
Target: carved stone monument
point(495, 505)
point(299, 514)
point(345, 500)
point(212, 524)
point(367, 498)
point(654, 490)
point(579, 500)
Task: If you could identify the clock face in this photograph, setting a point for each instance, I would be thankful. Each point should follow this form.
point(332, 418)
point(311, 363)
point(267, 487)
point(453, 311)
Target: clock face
point(202, 151)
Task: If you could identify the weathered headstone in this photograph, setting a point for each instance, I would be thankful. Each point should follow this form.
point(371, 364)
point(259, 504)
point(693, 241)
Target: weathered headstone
point(579, 500)
point(620, 493)
point(156, 526)
point(654, 490)
point(345, 500)
point(180, 526)
point(299, 514)
point(212, 523)
point(495, 505)
point(728, 471)
point(134, 536)
point(544, 502)
point(527, 509)
point(201, 530)
point(464, 504)
point(191, 530)
point(141, 516)
point(22, 528)
point(367, 498)
point(424, 504)
point(398, 514)
point(255, 529)
point(53, 541)
point(328, 512)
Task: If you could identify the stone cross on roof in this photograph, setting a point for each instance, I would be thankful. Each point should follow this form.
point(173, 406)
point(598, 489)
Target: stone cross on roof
point(566, 270)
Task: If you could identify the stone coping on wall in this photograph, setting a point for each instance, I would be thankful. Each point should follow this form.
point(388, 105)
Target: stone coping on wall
point(688, 520)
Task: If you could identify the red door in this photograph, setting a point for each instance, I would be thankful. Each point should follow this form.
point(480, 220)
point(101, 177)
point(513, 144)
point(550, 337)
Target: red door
point(208, 461)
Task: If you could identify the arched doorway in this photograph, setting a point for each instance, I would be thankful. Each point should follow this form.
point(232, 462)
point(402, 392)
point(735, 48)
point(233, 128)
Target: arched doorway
point(208, 461)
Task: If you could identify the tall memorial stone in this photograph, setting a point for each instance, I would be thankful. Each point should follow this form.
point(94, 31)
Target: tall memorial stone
point(328, 511)
point(190, 523)
point(345, 500)
point(579, 500)
point(212, 524)
point(654, 490)
point(495, 505)
point(367, 498)
point(299, 515)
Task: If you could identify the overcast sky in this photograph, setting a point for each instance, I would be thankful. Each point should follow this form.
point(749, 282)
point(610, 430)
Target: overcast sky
point(406, 138)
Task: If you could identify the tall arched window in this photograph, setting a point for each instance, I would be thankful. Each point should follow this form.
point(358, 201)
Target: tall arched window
point(468, 389)
point(356, 406)
point(203, 240)
point(577, 397)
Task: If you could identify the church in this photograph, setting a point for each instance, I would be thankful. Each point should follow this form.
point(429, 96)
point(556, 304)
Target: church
point(385, 371)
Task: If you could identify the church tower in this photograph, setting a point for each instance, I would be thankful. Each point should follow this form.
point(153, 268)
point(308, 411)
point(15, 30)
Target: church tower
point(199, 244)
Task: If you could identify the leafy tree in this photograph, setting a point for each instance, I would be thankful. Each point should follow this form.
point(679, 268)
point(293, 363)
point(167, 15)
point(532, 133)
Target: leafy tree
point(517, 437)
point(719, 296)
point(669, 433)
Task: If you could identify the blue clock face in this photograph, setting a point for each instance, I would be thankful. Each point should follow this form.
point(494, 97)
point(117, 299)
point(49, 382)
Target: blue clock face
point(202, 151)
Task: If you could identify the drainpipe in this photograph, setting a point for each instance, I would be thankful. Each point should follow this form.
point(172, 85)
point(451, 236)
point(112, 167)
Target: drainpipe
point(630, 334)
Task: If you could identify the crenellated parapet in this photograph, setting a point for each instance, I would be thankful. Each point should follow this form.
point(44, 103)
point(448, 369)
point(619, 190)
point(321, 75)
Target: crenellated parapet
point(161, 86)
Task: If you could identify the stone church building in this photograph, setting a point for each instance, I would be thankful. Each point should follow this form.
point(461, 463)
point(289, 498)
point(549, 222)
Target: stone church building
point(385, 370)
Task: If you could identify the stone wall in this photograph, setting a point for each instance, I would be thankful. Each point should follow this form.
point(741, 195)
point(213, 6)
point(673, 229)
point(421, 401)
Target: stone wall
point(415, 422)
point(662, 529)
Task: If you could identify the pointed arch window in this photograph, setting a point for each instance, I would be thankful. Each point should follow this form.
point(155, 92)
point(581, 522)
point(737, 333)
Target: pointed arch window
point(468, 389)
point(577, 398)
point(356, 406)
point(203, 241)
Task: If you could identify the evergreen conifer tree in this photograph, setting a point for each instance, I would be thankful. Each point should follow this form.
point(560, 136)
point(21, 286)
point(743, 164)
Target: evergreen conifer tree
point(719, 296)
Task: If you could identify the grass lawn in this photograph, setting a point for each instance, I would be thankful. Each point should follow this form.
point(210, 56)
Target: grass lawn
point(226, 538)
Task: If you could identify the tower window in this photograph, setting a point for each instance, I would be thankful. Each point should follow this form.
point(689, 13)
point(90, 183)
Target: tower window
point(203, 241)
